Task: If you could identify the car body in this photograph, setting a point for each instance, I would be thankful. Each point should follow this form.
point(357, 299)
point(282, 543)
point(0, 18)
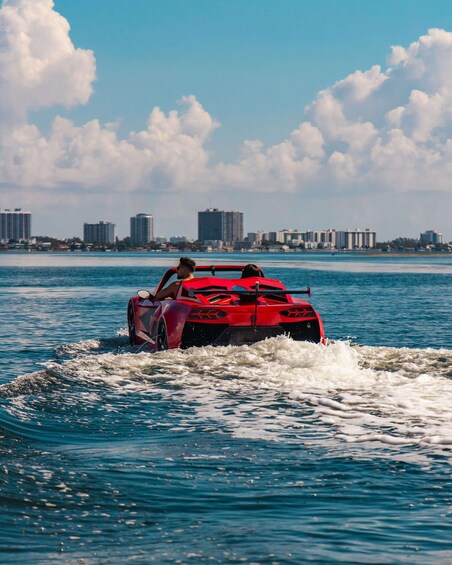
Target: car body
point(217, 307)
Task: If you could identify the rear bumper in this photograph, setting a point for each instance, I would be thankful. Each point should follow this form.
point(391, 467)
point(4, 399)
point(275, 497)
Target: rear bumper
point(243, 335)
point(199, 334)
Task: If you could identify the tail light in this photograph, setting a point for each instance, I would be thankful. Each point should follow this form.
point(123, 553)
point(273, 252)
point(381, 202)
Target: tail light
point(299, 312)
point(206, 314)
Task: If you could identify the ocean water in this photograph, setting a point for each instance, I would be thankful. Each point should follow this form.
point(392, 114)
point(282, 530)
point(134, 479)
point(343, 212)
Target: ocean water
point(275, 453)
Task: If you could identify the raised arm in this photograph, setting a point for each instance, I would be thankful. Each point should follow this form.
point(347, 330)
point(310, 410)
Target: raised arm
point(169, 292)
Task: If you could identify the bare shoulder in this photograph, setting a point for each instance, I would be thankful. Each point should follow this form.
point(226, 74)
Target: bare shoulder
point(169, 292)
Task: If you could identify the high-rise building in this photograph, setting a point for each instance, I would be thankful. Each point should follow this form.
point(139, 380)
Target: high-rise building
point(103, 232)
point(210, 225)
point(233, 227)
point(220, 225)
point(141, 229)
point(355, 239)
point(15, 224)
point(431, 237)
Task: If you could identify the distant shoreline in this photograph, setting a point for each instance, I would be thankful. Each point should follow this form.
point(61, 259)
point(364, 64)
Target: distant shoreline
point(357, 253)
point(408, 254)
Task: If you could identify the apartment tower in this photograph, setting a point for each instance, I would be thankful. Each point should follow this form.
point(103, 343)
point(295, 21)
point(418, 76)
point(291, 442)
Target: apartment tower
point(141, 229)
point(220, 225)
point(103, 232)
point(15, 224)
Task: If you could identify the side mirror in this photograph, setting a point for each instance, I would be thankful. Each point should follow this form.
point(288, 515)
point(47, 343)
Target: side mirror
point(145, 295)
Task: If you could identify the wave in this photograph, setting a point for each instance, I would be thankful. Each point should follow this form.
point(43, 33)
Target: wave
point(276, 390)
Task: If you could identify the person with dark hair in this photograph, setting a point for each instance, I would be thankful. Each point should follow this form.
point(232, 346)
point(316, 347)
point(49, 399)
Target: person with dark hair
point(184, 272)
point(251, 271)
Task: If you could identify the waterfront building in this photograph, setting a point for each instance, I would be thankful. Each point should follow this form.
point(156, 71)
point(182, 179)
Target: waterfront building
point(15, 224)
point(180, 239)
point(255, 238)
point(356, 239)
point(431, 237)
point(210, 225)
point(213, 245)
point(327, 239)
point(220, 225)
point(293, 237)
point(103, 232)
point(243, 245)
point(274, 236)
point(141, 229)
point(233, 227)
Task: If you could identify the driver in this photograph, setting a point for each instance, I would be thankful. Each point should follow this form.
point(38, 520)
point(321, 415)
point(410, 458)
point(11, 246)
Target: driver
point(184, 272)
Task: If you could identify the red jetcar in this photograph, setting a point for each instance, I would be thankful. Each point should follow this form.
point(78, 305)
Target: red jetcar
point(215, 309)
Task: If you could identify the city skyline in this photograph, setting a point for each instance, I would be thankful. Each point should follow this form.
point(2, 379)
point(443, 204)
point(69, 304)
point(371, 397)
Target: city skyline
point(299, 114)
point(217, 227)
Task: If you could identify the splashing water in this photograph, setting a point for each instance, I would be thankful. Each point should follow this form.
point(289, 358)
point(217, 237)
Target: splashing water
point(277, 389)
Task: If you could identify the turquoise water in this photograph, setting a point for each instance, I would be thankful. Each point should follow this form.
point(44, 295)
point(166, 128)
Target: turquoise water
point(280, 452)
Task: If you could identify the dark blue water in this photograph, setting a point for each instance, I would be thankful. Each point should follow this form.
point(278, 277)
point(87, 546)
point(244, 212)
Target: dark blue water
point(281, 452)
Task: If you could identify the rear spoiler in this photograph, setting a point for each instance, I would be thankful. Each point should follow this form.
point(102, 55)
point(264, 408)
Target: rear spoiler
point(245, 292)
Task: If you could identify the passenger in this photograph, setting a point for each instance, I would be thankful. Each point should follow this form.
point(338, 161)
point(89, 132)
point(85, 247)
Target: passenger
point(251, 271)
point(184, 272)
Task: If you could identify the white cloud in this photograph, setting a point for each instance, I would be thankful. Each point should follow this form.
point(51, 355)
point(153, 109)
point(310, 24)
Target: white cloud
point(386, 129)
point(39, 65)
point(389, 130)
point(162, 156)
point(308, 141)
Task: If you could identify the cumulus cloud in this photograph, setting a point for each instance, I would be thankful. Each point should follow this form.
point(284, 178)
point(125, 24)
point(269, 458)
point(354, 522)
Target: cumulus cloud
point(39, 65)
point(168, 153)
point(389, 128)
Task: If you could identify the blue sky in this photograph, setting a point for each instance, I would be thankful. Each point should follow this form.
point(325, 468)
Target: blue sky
point(279, 72)
point(254, 64)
